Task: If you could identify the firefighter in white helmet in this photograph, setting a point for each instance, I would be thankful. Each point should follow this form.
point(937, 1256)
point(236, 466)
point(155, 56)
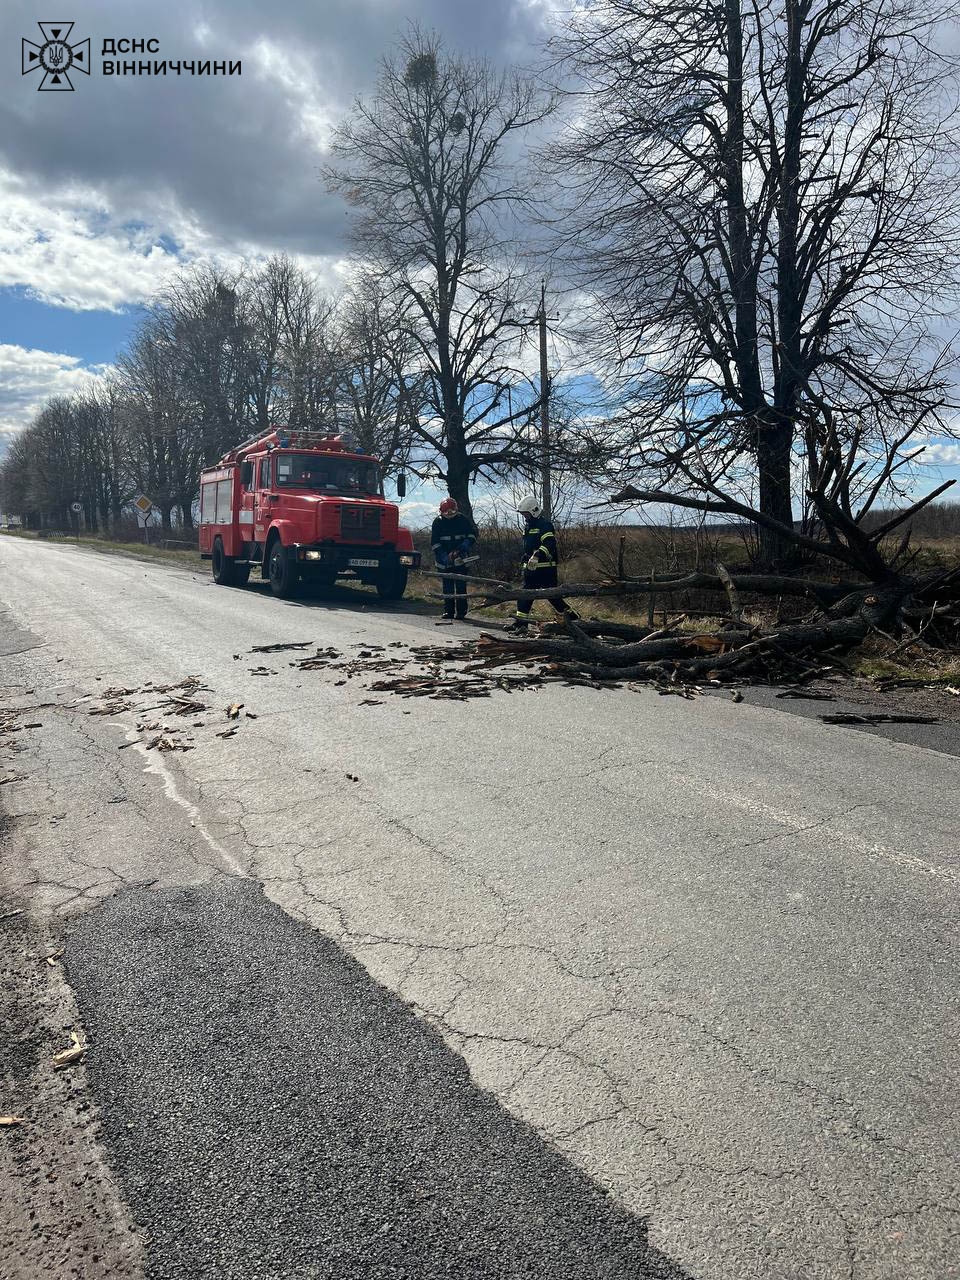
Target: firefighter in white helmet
point(540, 562)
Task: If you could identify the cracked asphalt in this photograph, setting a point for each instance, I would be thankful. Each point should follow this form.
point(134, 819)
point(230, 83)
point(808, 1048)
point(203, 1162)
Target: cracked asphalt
point(693, 964)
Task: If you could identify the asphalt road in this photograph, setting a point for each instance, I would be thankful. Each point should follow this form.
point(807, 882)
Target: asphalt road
point(555, 983)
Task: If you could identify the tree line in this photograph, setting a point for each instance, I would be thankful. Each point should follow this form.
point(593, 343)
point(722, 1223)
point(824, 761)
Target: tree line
point(747, 210)
point(217, 358)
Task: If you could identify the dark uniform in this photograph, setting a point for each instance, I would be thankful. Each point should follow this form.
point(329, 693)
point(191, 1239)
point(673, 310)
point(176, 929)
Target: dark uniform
point(453, 537)
point(540, 543)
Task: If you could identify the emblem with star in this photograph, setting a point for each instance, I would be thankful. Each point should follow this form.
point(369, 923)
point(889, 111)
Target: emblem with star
point(56, 57)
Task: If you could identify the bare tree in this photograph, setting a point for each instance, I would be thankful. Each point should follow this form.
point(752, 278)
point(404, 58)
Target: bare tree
point(166, 448)
point(378, 379)
point(99, 429)
point(209, 336)
point(49, 455)
point(763, 210)
point(430, 162)
point(15, 468)
point(290, 345)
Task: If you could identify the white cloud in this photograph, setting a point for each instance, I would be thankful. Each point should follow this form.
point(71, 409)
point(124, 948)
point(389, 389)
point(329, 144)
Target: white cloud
point(28, 378)
point(940, 453)
point(72, 251)
point(80, 251)
point(417, 515)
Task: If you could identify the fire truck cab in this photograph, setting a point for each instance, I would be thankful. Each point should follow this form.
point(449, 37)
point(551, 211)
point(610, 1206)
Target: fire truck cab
point(303, 507)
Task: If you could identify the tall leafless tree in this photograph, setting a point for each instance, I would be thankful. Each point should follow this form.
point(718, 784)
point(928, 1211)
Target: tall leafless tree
point(209, 337)
point(166, 447)
point(430, 163)
point(378, 381)
point(762, 209)
point(290, 348)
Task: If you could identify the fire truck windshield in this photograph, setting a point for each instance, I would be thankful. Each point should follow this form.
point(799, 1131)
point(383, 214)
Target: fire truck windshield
point(332, 475)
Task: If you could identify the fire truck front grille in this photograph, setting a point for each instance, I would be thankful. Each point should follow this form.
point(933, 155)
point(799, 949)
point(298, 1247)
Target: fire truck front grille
point(360, 524)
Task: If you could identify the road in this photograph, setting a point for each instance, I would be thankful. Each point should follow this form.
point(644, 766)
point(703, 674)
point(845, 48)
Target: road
point(561, 982)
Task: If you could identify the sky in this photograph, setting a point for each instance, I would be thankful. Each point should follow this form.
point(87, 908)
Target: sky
point(107, 191)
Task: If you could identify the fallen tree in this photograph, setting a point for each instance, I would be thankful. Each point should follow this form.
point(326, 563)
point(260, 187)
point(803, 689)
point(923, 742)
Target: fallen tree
point(927, 608)
point(824, 593)
point(734, 651)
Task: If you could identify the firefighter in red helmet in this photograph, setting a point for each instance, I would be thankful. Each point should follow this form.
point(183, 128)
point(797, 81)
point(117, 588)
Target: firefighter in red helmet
point(452, 538)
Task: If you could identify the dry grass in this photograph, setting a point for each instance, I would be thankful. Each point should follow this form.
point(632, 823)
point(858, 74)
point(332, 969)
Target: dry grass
point(877, 659)
point(106, 546)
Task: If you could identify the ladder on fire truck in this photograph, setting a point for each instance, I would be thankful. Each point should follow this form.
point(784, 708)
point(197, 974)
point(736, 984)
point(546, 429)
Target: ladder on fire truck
point(279, 437)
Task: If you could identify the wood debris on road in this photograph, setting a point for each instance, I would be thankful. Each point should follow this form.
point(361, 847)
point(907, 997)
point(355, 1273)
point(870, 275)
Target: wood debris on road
point(166, 742)
point(73, 1053)
point(184, 706)
point(281, 647)
point(113, 707)
point(880, 717)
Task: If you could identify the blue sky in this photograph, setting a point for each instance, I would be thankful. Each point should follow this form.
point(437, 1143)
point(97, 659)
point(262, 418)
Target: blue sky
point(94, 336)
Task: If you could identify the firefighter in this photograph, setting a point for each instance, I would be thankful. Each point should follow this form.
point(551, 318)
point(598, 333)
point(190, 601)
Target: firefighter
point(452, 538)
point(540, 563)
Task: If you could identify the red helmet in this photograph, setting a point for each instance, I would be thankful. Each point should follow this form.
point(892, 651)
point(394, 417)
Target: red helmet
point(448, 507)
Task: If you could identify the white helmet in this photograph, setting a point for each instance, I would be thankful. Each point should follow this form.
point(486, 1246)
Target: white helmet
point(530, 507)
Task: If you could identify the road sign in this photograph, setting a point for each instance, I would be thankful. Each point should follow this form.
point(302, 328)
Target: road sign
point(143, 505)
point(76, 506)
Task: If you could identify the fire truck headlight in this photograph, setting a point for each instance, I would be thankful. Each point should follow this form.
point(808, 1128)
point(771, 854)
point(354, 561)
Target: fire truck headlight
point(407, 560)
point(313, 555)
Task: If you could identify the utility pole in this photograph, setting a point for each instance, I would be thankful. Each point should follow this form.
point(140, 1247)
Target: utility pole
point(546, 500)
point(540, 320)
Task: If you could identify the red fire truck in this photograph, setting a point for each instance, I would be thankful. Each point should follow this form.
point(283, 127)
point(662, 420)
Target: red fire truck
point(302, 506)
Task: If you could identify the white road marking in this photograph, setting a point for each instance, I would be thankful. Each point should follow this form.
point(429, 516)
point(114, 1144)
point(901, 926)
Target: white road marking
point(155, 765)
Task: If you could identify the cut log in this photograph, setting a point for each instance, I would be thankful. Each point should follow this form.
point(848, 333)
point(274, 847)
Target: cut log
point(823, 593)
point(693, 656)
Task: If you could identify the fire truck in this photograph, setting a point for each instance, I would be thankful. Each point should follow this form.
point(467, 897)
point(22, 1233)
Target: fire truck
point(302, 506)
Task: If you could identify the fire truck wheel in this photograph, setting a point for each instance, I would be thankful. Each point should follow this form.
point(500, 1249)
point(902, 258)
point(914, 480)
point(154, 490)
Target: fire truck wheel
point(224, 567)
point(392, 584)
point(283, 572)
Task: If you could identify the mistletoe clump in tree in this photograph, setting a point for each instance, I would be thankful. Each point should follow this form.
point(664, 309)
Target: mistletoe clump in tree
point(430, 163)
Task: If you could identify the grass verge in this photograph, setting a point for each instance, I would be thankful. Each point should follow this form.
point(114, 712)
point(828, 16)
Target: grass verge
point(104, 546)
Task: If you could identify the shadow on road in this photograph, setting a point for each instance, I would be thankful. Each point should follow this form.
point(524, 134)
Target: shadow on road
point(270, 1110)
point(340, 598)
point(349, 599)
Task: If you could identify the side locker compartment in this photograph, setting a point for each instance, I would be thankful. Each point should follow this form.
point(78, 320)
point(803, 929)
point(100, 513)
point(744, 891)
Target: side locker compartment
point(245, 507)
point(208, 502)
point(227, 491)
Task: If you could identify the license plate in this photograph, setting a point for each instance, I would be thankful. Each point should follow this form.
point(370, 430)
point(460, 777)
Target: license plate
point(363, 564)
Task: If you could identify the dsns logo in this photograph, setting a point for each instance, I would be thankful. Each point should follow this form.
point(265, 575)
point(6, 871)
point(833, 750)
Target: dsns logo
point(56, 58)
